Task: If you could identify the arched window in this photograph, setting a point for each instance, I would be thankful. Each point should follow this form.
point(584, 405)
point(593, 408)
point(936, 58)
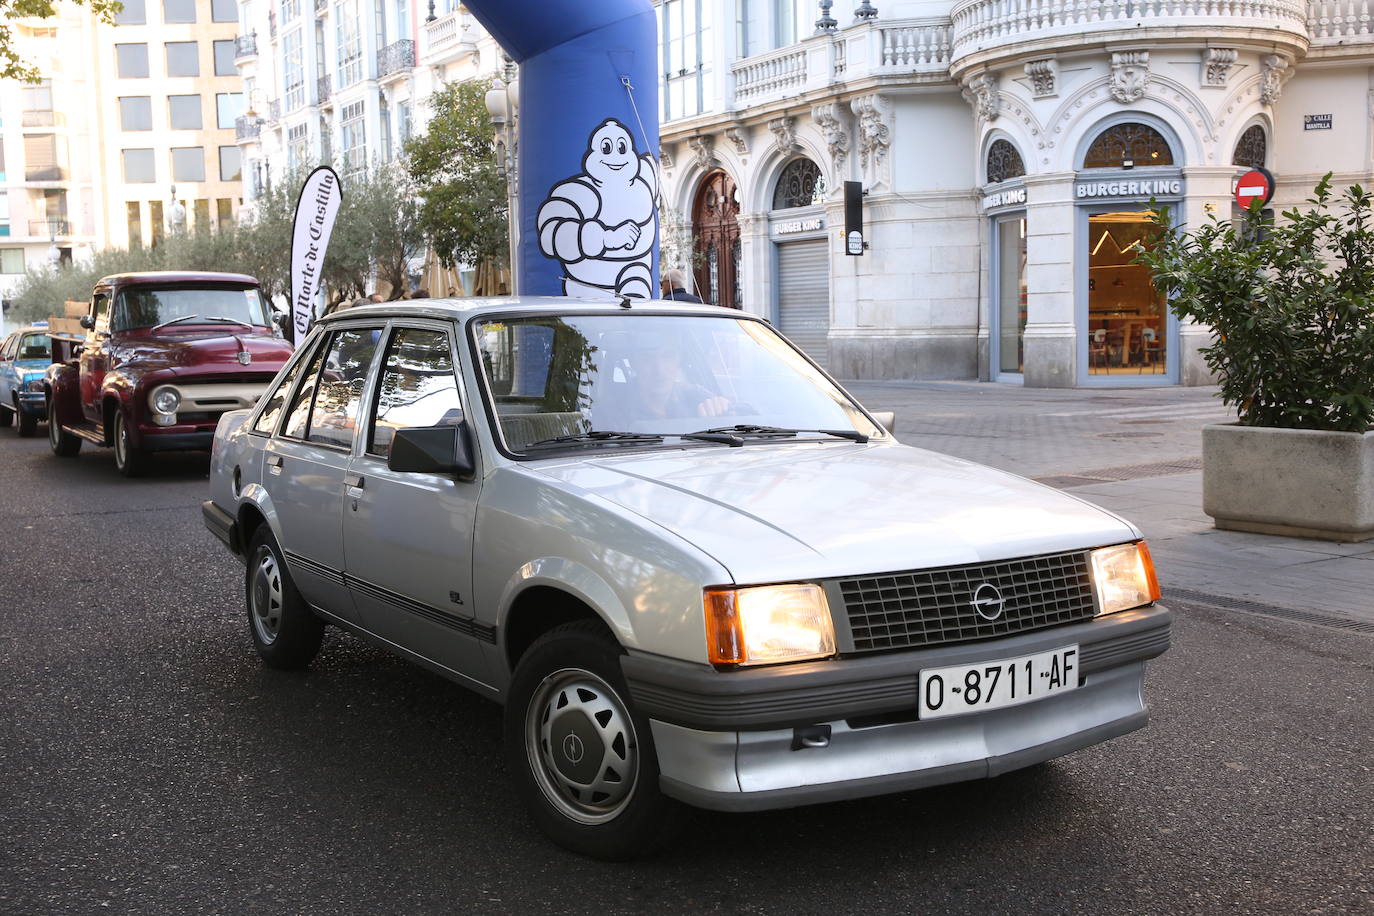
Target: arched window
point(1129, 145)
point(1004, 162)
point(1252, 148)
point(800, 185)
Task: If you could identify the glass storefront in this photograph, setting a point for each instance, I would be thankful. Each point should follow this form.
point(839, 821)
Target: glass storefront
point(1127, 317)
point(1011, 295)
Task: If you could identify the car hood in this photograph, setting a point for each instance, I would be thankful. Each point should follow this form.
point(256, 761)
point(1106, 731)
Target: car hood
point(202, 350)
point(31, 366)
point(775, 512)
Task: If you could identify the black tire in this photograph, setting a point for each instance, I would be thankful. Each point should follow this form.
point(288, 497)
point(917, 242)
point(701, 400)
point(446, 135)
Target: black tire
point(567, 701)
point(6, 418)
point(129, 460)
point(284, 630)
point(62, 443)
point(28, 423)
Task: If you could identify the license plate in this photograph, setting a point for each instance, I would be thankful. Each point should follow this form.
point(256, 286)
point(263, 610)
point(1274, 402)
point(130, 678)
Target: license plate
point(961, 689)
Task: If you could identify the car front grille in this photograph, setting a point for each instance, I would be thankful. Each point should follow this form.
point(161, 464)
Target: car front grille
point(930, 607)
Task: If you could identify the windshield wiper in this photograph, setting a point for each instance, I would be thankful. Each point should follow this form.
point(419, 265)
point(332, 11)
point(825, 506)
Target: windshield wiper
point(159, 327)
point(781, 432)
point(606, 435)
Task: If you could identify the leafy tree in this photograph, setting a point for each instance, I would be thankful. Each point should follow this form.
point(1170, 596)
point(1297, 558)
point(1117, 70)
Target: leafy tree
point(12, 66)
point(384, 203)
point(453, 165)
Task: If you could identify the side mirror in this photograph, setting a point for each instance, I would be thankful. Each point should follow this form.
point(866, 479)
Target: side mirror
point(88, 321)
point(886, 418)
point(280, 319)
point(433, 450)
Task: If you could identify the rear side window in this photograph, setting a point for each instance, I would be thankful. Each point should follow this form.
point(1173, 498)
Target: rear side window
point(417, 387)
point(340, 389)
point(267, 420)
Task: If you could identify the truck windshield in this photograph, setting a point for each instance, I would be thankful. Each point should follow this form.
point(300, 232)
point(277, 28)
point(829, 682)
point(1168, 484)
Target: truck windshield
point(146, 308)
point(575, 378)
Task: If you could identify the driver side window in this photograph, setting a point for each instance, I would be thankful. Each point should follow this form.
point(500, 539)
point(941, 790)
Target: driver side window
point(417, 387)
point(101, 312)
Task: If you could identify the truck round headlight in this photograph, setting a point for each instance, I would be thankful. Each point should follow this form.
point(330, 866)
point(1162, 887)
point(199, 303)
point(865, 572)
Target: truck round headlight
point(165, 399)
point(766, 624)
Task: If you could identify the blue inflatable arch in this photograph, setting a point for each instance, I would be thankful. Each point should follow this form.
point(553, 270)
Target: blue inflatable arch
point(588, 142)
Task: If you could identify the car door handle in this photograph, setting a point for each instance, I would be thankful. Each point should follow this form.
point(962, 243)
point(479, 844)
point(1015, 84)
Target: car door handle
point(354, 481)
point(274, 464)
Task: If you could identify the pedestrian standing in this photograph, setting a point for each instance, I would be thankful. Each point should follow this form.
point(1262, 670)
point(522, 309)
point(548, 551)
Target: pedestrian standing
point(675, 286)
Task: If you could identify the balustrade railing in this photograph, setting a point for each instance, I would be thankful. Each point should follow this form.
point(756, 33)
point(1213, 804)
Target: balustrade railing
point(49, 228)
point(777, 72)
point(1340, 22)
point(396, 57)
point(921, 45)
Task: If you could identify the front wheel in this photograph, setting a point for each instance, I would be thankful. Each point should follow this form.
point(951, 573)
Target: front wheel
point(286, 633)
point(583, 759)
point(62, 443)
point(129, 460)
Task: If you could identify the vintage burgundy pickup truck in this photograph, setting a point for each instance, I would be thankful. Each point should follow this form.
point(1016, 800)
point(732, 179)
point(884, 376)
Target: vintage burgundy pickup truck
point(164, 354)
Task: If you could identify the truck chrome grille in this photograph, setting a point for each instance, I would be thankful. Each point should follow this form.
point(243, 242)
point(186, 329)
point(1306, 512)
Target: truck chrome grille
point(931, 607)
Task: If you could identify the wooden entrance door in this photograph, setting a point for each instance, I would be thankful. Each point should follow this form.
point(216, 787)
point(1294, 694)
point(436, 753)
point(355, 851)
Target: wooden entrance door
point(715, 240)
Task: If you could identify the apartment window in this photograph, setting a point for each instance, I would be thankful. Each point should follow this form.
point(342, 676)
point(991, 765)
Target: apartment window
point(4, 212)
point(686, 28)
point(11, 260)
point(2, 159)
point(385, 117)
point(228, 106)
point(224, 58)
point(131, 61)
point(39, 97)
point(188, 163)
point(224, 209)
point(296, 146)
point(350, 41)
point(320, 68)
point(402, 19)
point(184, 111)
point(293, 70)
point(138, 166)
point(135, 112)
point(353, 130)
point(134, 13)
point(229, 164)
point(183, 58)
point(290, 9)
point(326, 140)
point(44, 157)
point(178, 11)
point(134, 210)
point(223, 11)
point(155, 221)
point(202, 212)
point(403, 127)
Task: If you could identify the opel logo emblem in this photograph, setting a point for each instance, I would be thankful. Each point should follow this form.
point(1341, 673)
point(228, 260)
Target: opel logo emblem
point(572, 748)
point(988, 601)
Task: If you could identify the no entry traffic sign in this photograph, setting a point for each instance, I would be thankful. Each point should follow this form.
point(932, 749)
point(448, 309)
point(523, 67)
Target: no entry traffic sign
point(1254, 185)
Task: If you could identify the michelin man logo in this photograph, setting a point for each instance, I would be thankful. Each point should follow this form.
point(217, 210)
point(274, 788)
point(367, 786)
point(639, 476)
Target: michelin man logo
point(602, 223)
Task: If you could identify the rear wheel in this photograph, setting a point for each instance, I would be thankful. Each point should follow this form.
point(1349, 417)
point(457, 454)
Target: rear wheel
point(62, 443)
point(582, 758)
point(285, 631)
point(28, 423)
point(129, 460)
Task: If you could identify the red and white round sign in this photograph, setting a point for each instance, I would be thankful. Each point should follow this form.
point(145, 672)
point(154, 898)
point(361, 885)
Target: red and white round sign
point(1254, 185)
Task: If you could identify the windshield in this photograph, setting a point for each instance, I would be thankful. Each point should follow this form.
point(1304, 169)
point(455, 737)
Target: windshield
point(145, 308)
point(34, 346)
point(552, 376)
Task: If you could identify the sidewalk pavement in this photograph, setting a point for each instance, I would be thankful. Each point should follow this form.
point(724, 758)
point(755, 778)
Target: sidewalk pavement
point(1137, 452)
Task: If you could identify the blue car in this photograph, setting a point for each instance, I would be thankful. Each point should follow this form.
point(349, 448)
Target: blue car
point(24, 357)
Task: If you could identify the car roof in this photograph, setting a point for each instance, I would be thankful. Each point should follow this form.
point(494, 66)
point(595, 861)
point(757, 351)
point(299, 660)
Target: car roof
point(524, 305)
point(150, 277)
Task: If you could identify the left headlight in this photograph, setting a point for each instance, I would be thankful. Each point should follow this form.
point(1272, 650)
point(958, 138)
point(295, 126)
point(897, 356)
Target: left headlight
point(767, 624)
point(165, 399)
point(33, 383)
point(1124, 577)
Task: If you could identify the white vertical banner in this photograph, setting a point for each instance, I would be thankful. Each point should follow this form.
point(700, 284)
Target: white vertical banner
point(316, 209)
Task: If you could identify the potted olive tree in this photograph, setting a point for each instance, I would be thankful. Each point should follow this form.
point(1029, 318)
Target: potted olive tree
point(1291, 306)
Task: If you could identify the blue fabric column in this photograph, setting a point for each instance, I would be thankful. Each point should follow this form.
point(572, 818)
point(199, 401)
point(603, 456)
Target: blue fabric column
point(588, 159)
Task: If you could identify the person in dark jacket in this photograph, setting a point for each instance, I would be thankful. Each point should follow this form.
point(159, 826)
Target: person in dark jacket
point(675, 286)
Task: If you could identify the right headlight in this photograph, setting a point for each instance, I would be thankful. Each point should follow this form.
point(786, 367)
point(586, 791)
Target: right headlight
point(165, 399)
point(1123, 577)
point(768, 623)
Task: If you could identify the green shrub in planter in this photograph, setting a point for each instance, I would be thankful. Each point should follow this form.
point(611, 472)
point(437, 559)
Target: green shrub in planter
point(1291, 305)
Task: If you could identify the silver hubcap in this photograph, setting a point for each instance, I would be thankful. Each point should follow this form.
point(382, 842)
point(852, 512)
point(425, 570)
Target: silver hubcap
point(582, 746)
point(264, 597)
point(54, 432)
point(121, 441)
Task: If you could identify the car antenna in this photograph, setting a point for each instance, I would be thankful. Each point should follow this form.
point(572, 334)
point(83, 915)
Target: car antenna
point(624, 301)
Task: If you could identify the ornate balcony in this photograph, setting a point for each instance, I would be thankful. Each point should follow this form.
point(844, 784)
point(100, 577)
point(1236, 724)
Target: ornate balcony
point(396, 58)
point(246, 47)
point(246, 128)
point(991, 32)
point(49, 228)
point(324, 88)
point(448, 38)
point(1339, 28)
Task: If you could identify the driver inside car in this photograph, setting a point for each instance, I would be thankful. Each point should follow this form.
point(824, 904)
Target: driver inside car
point(661, 388)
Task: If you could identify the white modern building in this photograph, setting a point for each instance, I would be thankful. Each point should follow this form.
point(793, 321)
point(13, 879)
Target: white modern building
point(1007, 150)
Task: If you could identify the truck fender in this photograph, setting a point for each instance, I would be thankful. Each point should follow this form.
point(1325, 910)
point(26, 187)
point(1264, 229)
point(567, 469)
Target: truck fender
point(64, 389)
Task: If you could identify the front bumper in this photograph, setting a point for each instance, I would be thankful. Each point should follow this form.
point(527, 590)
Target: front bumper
point(726, 740)
point(175, 439)
point(34, 403)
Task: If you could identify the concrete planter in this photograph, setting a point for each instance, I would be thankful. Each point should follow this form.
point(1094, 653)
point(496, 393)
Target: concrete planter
point(1296, 482)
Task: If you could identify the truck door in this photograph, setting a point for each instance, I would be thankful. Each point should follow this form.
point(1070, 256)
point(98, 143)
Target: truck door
point(408, 536)
point(95, 356)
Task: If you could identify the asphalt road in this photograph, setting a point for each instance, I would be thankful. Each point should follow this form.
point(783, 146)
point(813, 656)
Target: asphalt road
point(149, 764)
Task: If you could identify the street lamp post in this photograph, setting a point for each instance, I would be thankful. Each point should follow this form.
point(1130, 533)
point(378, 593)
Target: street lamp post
point(503, 103)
